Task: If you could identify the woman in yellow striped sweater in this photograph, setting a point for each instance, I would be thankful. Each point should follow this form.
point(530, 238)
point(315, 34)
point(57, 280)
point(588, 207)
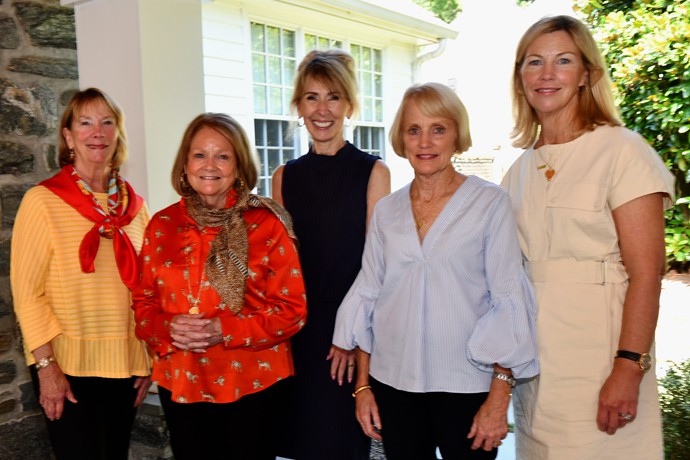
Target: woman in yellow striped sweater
point(73, 263)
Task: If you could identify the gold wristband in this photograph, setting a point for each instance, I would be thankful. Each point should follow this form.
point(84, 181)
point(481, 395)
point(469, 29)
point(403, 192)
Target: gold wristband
point(44, 362)
point(362, 388)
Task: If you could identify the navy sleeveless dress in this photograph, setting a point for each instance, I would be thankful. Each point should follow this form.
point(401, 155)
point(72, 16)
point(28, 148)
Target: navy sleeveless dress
point(327, 198)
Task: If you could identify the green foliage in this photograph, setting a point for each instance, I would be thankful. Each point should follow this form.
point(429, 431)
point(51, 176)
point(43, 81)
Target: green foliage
point(674, 398)
point(647, 45)
point(446, 10)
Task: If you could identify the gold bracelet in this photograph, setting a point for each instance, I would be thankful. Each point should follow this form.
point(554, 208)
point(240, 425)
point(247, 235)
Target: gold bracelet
point(44, 362)
point(362, 388)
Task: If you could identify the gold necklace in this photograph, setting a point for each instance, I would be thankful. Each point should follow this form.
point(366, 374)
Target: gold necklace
point(550, 172)
point(419, 223)
point(203, 283)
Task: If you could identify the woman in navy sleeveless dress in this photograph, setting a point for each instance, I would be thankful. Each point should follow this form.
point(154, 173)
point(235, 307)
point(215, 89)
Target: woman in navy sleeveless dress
point(330, 193)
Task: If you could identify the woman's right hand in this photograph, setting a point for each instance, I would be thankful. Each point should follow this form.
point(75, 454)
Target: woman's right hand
point(54, 389)
point(195, 332)
point(367, 412)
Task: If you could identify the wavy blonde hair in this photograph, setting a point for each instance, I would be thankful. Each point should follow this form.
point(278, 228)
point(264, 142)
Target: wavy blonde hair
point(596, 103)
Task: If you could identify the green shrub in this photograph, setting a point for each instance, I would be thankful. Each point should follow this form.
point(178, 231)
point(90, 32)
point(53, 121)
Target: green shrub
point(674, 397)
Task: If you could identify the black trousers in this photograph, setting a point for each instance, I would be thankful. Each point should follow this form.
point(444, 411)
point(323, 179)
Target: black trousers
point(99, 425)
point(415, 424)
point(246, 429)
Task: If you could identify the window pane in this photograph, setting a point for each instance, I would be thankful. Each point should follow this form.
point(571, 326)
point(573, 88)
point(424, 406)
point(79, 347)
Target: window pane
point(260, 99)
point(288, 43)
point(379, 110)
point(273, 135)
point(378, 86)
point(338, 44)
point(309, 42)
point(274, 70)
point(377, 61)
point(258, 68)
point(275, 101)
point(258, 42)
point(368, 110)
point(288, 72)
point(366, 58)
point(258, 133)
point(354, 50)
point(376, 135)
point(274, 160)
point(324, 43)
point(273, 40)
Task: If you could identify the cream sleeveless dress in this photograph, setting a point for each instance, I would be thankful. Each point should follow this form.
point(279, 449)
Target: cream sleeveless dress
point(570, 246)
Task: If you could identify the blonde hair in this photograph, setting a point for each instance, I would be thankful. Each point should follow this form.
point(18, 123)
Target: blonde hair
point(228, 127)
point(433, 100)
point(334, 68)
point(79, 101)
point(596, 103)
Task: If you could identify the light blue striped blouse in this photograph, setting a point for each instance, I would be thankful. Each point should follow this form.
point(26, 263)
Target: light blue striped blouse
point(437, 316)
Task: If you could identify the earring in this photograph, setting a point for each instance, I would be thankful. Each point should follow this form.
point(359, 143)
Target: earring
point(347, 122)
point(71, 154)
point(300, 121)
point(239, 183)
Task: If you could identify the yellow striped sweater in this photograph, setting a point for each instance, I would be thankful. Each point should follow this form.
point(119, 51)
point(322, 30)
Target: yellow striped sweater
point(87, 317)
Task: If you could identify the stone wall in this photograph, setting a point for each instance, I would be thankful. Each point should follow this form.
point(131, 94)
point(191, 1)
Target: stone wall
point(38, 75)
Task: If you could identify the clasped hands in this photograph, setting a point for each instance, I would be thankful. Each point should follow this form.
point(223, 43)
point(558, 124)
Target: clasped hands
point(195, 333)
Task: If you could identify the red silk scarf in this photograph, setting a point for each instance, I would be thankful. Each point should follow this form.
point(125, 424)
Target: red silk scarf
point(123, 206)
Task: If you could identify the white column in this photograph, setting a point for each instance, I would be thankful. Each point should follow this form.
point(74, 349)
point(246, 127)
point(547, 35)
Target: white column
point(147, 55)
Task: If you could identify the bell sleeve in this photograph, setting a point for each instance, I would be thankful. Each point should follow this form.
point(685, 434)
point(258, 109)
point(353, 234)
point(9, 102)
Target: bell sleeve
point(353, 324)
point(506, 333)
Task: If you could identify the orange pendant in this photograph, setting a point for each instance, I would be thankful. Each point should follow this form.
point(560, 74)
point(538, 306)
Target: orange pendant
point(194, 311)
point(549, 173)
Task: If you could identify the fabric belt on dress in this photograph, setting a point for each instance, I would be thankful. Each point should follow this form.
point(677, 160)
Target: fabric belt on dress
point(576, 271)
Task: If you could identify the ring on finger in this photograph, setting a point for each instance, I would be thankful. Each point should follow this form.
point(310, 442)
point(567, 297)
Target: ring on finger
point(351, 365)
point(627, 416)
point(497, 443)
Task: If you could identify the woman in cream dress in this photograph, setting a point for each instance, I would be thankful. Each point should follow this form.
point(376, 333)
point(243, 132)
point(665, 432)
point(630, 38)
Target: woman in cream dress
point(589, 197)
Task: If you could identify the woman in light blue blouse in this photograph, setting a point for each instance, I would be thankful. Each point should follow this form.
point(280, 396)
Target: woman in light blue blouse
point(441, 313)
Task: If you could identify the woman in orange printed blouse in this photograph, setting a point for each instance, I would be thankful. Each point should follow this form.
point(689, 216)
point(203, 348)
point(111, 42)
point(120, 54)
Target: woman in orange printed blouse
point(221, 293)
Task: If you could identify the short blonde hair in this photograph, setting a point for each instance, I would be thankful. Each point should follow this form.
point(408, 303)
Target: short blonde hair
point(334, 68)
point(80, 100)
point(228, 127)
point(596, 104)
point(434, 100)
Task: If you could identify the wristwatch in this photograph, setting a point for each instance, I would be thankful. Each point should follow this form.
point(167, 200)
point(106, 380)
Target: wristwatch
point(506, 378)
point(642, 359)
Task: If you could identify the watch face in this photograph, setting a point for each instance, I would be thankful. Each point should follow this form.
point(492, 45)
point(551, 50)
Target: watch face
point(645, 362)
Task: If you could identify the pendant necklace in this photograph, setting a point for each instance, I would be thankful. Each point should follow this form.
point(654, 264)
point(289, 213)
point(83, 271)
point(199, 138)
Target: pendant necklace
point(550, 172)
point(194, 302)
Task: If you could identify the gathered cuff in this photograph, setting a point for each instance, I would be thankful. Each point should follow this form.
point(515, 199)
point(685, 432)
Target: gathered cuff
point(353, 323)
point(506, 334)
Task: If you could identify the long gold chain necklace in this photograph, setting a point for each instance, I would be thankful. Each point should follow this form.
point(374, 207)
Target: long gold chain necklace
point(204, 283)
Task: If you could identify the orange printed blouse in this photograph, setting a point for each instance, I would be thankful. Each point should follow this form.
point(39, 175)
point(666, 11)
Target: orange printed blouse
point(255, 352)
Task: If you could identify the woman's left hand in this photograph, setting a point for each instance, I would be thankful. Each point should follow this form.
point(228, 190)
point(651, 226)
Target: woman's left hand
point(490, 425)
point(619, 396)
point(342, 363)
point(195, 332)
point(142, 384)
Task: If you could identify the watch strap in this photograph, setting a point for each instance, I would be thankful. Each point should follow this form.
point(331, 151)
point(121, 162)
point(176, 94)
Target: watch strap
point(509, 379)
